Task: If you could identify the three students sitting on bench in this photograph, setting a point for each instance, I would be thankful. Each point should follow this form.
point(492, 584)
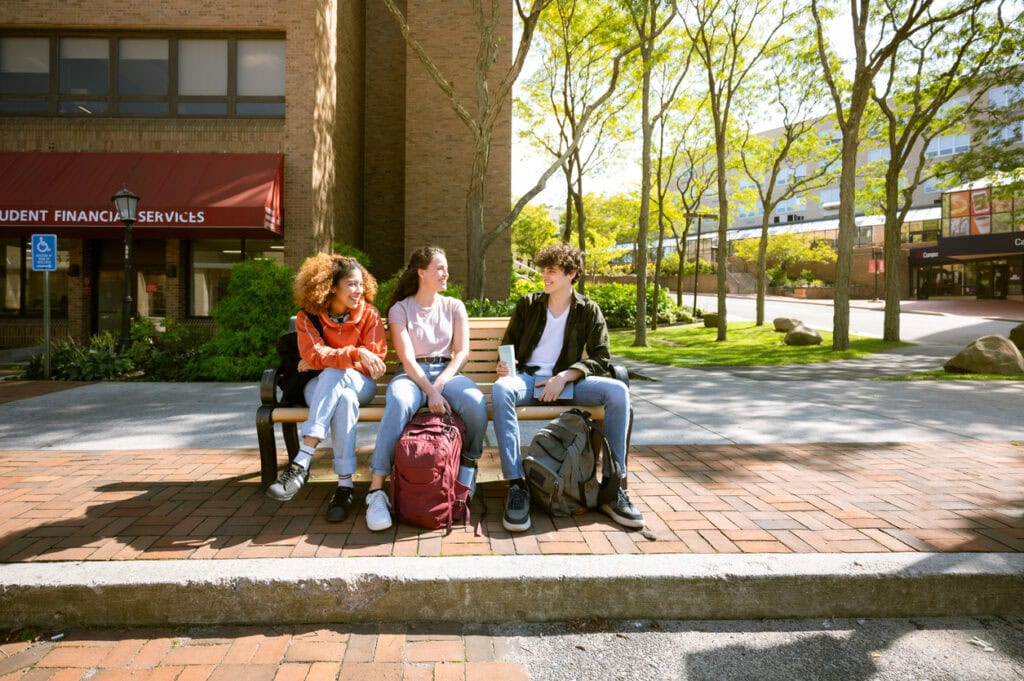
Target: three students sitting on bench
point(550, 329)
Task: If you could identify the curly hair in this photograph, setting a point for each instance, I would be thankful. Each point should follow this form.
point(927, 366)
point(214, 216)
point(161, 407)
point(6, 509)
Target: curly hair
point(320, 273)
point(565, 256)
point(409, 281)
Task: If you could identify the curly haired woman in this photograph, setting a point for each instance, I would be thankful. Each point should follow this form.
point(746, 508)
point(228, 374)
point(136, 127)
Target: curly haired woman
point(351, 350)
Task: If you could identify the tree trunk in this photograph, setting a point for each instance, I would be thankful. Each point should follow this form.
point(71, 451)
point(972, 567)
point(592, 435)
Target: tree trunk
point(723, 244)
point(847, 228)
point(762, 269)
point(475, 249)
point(581, 228)
point(891, 259)
point(640, 264)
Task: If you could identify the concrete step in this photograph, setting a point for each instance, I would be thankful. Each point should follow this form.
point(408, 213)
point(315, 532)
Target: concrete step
point(510, 588)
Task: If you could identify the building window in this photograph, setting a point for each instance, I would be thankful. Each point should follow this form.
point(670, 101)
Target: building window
point(947, 145)
point(142, 75)
point(880, 154)
point(831, 138)
point(864, 235)
point(829, 196)
point(210, 262)
point(791, 205)
point(788, 175)
point(1006, 97)
point(755, 210)
point(932, 185)
point(24, 287)
point(1011, 133)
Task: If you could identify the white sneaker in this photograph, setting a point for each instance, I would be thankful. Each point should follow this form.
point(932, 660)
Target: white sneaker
point(378, 510)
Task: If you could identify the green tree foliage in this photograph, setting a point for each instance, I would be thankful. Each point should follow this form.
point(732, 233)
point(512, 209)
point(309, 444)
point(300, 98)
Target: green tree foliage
point(787, 251)
point(532, 230)
point(250, 318)
point(612, 222)
point(731, 38)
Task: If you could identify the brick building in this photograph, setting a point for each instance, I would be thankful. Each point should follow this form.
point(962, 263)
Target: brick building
point(250, 128)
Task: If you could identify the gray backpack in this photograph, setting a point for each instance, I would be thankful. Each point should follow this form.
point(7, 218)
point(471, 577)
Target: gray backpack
point(561, 465)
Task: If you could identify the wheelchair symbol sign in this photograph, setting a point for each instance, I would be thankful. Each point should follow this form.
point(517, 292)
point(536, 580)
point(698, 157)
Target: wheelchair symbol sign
point(44, 252)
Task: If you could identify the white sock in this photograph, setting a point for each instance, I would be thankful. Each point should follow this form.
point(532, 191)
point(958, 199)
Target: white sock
point(305, 455)
point(345, 481)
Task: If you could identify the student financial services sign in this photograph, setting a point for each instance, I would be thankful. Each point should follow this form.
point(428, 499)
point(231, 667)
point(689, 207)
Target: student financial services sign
point(30, 217)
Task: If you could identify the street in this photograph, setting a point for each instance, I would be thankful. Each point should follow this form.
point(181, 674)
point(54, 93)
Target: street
point(795, 650)
point(934, 323)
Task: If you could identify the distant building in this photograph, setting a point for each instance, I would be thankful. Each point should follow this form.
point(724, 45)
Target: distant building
point(945, 252)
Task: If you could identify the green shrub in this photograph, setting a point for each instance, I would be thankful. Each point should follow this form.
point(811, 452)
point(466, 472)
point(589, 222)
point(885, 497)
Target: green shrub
point(490, 308)
point(175, 354)
point(250, 318)
point(384, 291)
point(352, 252)
point(69, 361)
point(618, 303)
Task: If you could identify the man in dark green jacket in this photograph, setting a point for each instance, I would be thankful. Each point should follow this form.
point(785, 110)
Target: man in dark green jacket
point(550, 331)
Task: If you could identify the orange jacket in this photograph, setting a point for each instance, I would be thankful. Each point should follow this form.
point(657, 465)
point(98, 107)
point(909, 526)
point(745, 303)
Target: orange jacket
point(339, 346)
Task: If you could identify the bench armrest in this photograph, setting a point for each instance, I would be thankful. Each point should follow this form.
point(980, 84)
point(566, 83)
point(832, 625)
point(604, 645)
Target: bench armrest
point(268, 388)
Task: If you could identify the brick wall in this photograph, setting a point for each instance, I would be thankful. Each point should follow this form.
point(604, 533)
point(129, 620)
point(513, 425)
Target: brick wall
point(311, 80)
point(438, 147)
point(383, 234)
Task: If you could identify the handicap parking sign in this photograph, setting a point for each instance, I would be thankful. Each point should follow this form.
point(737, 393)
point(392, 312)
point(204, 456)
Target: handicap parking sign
point(44, 252)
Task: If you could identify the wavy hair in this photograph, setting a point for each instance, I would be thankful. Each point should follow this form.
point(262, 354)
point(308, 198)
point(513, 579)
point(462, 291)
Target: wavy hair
point(321, 273)
point(566, 256)
point(409, 281)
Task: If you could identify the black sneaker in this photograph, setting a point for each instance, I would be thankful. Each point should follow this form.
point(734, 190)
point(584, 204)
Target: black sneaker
point(290, 482)
point(341, 505)
point(517, 508)
point(624, 512)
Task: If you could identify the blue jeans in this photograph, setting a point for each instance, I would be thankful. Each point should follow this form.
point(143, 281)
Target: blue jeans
point(403, 400)
point(510, 391)
point(334, 398)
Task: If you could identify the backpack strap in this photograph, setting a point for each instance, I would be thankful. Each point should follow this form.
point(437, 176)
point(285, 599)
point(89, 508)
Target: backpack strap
point(314, 319)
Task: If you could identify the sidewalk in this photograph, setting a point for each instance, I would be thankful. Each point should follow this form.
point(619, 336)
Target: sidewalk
point(802, 494)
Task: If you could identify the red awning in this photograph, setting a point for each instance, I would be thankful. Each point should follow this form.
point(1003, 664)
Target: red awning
point(181, 195)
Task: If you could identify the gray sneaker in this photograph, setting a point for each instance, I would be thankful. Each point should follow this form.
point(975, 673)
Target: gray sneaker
point(624, 512)
point(517, 509)
point(289, 483)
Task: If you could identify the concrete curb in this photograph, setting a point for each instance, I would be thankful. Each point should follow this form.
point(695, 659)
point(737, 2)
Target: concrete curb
point(517, 588)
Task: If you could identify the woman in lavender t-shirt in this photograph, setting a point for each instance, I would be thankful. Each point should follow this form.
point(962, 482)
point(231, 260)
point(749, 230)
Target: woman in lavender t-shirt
point(430, 333)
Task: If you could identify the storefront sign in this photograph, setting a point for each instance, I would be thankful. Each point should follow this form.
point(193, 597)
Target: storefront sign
point(983, 244)
point(61, 217)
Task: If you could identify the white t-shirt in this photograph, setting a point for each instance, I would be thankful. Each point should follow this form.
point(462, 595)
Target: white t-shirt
point(550, 346)
point(430, 328)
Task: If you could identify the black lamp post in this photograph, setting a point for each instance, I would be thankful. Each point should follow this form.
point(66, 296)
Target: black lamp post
point(127, 205)
point(696, 263)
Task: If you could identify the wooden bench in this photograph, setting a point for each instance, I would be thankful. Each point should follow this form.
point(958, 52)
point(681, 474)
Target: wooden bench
point(485, 335)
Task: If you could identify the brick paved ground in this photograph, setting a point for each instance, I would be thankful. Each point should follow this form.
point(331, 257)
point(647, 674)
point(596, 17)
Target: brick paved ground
point(342, 653)
point(825, 498)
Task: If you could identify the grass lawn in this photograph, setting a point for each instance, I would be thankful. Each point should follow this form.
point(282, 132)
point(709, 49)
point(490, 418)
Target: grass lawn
point(747, 345)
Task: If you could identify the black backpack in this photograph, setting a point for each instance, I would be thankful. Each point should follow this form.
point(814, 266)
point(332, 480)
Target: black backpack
point(562, 461)
point(290, 380)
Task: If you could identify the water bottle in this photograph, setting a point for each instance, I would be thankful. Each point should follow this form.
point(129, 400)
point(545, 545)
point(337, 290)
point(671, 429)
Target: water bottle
point(467, 476)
